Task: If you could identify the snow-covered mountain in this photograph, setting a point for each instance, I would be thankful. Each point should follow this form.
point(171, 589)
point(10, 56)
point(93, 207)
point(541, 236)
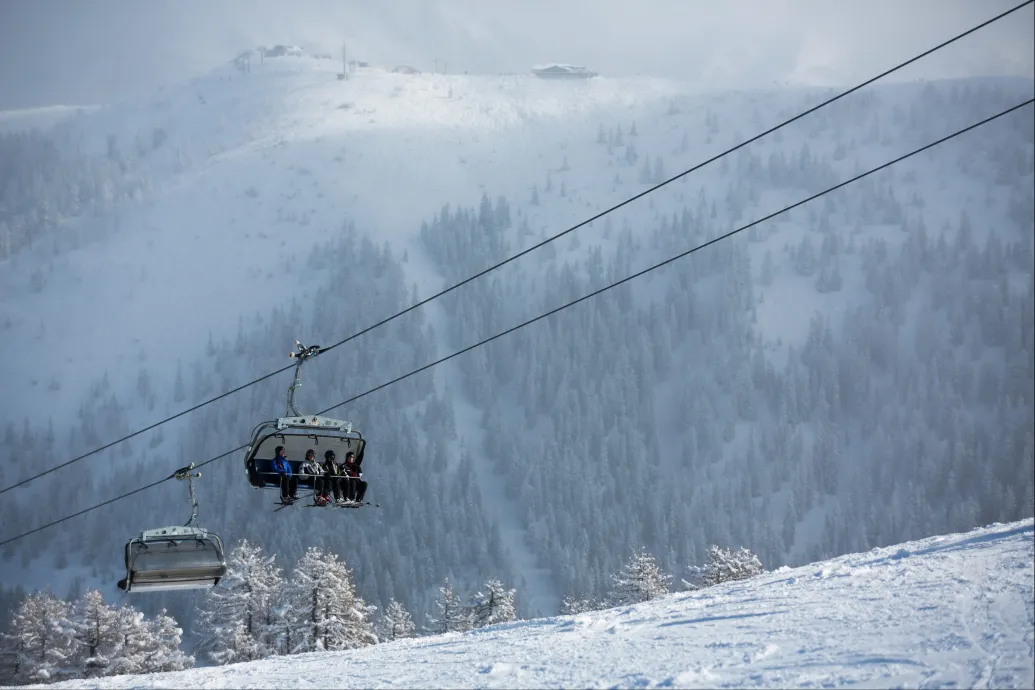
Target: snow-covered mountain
point(28, 119)
point(854, 374)
point(947, 611)
point(229, 181)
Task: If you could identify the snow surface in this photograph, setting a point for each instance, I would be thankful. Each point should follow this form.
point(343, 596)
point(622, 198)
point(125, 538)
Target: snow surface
point(947, 611)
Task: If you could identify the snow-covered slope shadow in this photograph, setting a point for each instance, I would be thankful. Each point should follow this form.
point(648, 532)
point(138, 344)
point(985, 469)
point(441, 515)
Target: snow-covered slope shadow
point(948, 611)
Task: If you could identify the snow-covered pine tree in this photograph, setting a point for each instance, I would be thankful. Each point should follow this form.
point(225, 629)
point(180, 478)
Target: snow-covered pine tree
point(282, 621)
point(235, 622)
point(572, 604)
point(97, 634)
point(395, 623)
point(136, 641)
point(42, 640)
point(630, 154)
point(9, 601)
point(724, 565)
point(324, 611)
point(179, 387)
point(646, 176)
point(52, 639)
point(659, 170)
point(452, 616)
point(494, 604)
point(167, 652)
point(640, 579)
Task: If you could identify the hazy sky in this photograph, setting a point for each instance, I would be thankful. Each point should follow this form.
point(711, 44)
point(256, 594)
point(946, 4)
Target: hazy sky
point(95, 51)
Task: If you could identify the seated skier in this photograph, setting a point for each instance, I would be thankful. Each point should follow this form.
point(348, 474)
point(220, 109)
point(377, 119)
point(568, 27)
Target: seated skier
point(310, 468)
point(288, 483)
point(332, 477)
point(357, 488)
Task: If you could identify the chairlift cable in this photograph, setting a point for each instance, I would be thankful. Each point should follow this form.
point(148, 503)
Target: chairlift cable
point(595, 293)
point(532, 248)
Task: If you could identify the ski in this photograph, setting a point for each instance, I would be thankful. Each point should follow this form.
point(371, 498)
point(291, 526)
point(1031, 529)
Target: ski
point(332, 504)
point(282, 504)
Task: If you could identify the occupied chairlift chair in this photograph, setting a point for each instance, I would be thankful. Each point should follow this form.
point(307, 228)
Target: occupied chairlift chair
point(175, 557)
point(298, 433)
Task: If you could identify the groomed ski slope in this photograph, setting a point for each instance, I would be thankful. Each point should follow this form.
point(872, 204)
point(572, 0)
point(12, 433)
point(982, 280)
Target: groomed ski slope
point(947, 611)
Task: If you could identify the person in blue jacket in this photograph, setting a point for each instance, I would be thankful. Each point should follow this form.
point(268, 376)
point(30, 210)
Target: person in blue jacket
point(288, 482)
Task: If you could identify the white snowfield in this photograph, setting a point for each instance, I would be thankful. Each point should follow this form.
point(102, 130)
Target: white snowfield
point(947, 611)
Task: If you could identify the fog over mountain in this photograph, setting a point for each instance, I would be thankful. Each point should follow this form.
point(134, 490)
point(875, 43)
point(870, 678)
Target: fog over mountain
point(62, 52)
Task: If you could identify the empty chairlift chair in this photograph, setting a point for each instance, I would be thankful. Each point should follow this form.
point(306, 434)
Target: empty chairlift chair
point(175, 557)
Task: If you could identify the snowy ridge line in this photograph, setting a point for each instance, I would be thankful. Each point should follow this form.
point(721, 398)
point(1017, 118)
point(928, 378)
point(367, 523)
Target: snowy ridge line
point(548, 240)
point(585, 297)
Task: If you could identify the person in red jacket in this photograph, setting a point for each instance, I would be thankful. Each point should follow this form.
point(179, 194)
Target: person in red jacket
point(357, 488)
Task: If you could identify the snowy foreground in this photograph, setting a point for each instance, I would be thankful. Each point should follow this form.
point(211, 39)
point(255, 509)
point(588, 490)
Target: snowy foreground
point(949, 611)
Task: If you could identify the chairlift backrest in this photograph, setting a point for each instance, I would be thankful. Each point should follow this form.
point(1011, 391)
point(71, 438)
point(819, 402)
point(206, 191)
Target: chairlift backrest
point(174, 558)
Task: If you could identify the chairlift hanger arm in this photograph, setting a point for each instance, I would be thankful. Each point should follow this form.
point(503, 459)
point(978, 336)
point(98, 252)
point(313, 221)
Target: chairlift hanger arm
point(302, 355)
point(186, 473)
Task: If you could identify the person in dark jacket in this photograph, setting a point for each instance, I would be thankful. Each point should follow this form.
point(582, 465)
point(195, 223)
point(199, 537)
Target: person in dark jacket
point(357, 488)
point(288, 482)
point(332, 476)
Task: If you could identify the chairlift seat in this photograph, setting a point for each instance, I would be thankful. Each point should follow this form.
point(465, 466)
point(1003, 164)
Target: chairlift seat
point(297, 438)
point(171, 558)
